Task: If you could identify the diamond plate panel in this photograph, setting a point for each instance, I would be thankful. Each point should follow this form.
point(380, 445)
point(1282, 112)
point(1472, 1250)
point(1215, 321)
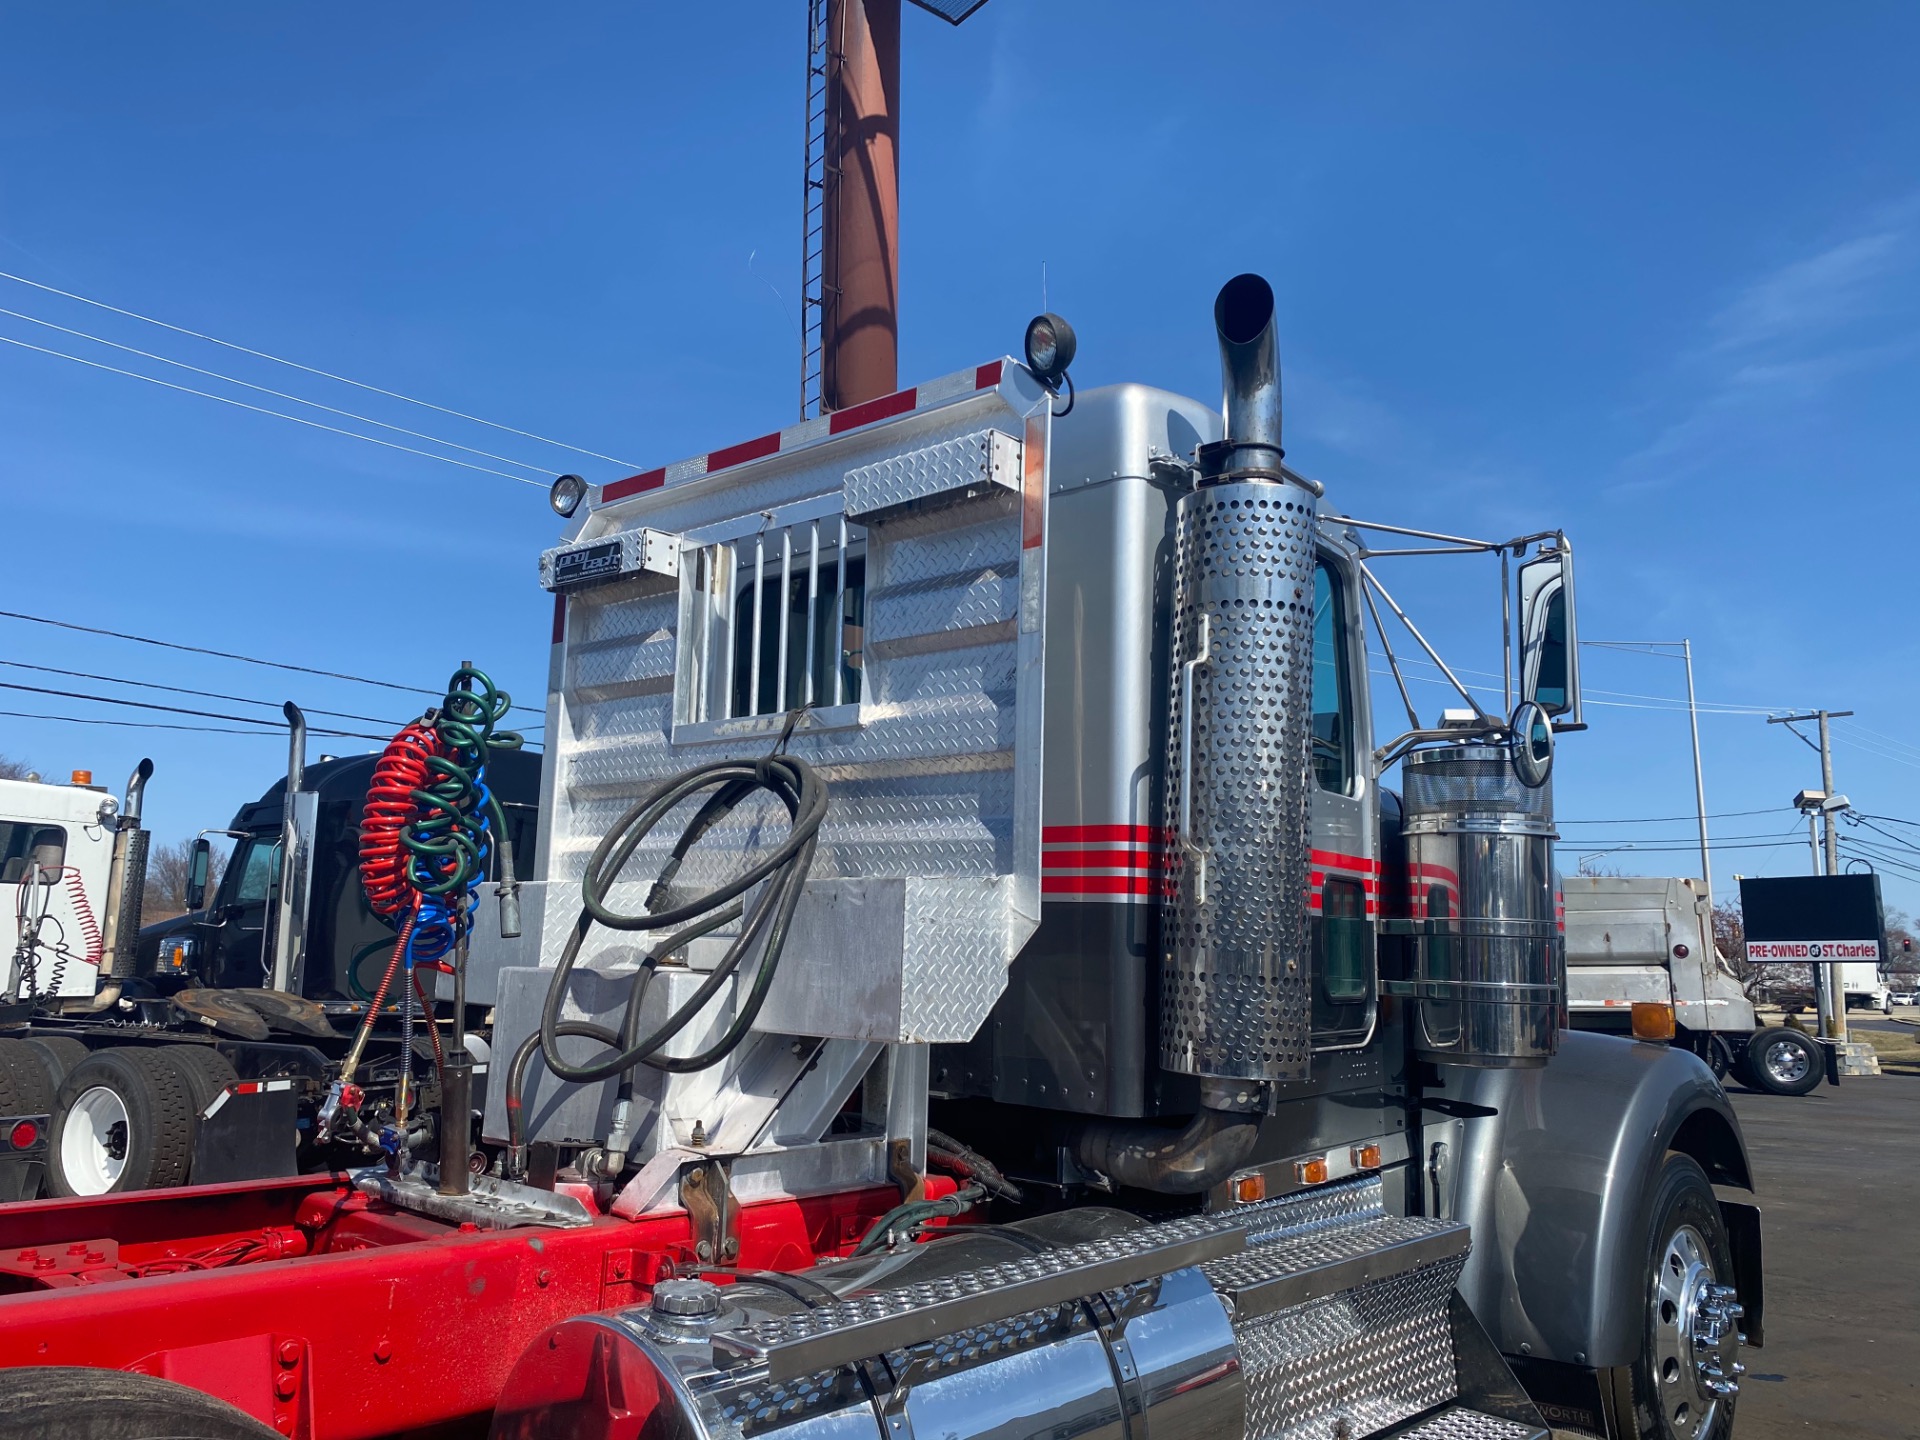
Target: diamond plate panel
point(985, 458)
point(1234, 993)
point(1370, 1357)
point(922, 769)
point(1459, 1423)
point(1327, 1246)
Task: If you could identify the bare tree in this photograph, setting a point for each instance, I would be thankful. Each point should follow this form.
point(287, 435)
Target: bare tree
point(11, 769)
point(169, 867)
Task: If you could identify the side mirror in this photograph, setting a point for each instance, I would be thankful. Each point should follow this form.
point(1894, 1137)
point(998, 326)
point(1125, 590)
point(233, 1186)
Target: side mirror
point(198, 868)
point(1550, 634)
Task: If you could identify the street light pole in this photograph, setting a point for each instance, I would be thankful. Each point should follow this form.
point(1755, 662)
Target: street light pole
point(1699, 785)
point(1685, 647)
point(1831, 997)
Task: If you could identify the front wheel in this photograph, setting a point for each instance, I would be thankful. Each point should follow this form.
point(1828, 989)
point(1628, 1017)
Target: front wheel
point(1687, 1377)
point(1782, 1061)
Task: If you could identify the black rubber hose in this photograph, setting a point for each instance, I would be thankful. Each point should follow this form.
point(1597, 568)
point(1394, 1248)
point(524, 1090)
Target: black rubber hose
point(795, 784)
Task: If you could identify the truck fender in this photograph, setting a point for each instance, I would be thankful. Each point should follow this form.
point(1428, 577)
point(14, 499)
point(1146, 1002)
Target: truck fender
point(1555, 1185)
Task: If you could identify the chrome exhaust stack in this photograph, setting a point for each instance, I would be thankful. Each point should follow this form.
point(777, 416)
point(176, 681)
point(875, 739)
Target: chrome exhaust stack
point(1234, 959)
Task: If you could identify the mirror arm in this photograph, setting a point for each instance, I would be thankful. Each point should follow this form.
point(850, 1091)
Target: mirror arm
point(1432, 654)
point(1391, 752)
point(1413, 716)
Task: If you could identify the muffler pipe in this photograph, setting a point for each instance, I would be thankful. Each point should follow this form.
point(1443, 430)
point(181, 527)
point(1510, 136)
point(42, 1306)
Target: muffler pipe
point(1235, 984)
point(1143, 1156)
point(126, 887)
point(1250, 378)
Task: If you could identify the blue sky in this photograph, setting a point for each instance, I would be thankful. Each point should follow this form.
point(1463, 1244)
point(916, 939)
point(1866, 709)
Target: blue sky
point(1649, 273)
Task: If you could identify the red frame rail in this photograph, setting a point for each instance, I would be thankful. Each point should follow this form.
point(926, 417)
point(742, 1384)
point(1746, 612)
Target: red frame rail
point(348, 1318)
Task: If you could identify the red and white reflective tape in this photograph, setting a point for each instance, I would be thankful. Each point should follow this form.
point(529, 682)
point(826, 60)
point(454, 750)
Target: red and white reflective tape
point(243, 1087)
point(1127, 862)
point(957, 386)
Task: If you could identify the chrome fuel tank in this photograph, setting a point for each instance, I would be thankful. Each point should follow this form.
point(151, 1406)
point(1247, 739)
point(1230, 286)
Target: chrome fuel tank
point(1480, 854)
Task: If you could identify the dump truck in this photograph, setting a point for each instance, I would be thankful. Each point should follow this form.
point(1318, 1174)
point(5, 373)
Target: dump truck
point(1648, 940)
point(198, 1048)
point(981, 981)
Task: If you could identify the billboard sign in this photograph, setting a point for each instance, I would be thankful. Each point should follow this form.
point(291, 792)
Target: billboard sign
point(1812, 919)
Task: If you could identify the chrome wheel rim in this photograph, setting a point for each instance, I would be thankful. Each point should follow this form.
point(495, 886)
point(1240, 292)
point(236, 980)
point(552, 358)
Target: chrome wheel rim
point(93, 1143)
point(1786, 1062)
point(1696, 1337)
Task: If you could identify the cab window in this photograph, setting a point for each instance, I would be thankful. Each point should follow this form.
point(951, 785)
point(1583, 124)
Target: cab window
point(1345, 939)
point(19, 842)
point(258, 866)
point(1332, 692)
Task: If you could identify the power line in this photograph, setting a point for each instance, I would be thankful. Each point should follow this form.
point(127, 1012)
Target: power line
point(182, 690)
point(173, 709)
point(266, 390)
point(135, 724)
point(1853, 724)
point(1687, 848)
point(323, 374)
point(230, 655)
point(263, 410)
point(1665, 819)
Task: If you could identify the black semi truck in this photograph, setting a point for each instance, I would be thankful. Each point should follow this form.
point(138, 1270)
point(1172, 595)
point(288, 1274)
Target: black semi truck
point(211, 1040)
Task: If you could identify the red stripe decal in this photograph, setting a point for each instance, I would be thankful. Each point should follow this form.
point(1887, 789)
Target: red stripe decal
point(885, 408)
point(746, 450)
point(633, 485)
point(987, 375)
point(1100, 860)
point(1138, 834)
point(248, 1087)
point(1334, 860)
point(1101, 885)
point(559, 618)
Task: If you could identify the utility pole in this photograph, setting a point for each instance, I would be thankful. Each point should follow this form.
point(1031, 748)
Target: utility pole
point(1831, 998)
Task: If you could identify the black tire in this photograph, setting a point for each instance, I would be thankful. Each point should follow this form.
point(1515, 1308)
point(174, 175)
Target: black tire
point(156, 1101)
point(1782, 1061)
point(65, 1402)
point(1658, 1382)
point(208, 1072)
point(61, 1053)
point(26, 1087)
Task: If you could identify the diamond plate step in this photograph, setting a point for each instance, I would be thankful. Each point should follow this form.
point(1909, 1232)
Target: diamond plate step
point(1457, 1422)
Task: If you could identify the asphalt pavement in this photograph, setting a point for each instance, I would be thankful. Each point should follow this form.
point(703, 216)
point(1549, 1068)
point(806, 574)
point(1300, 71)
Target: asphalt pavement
point(1838, 1173)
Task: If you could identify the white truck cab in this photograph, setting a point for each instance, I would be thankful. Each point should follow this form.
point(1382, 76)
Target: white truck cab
point(56, 854)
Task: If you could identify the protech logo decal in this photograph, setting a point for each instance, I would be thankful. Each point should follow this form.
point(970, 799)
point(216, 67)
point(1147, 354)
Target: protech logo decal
point(1759, 950)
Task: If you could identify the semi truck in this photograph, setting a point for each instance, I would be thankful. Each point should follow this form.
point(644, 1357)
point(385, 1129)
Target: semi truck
point(982, 981)
point(201, 1047)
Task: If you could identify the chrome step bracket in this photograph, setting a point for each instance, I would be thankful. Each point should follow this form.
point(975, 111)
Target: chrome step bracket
point(1281, 1276)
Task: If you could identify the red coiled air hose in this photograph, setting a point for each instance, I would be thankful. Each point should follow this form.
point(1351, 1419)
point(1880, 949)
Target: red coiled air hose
point(401, 770)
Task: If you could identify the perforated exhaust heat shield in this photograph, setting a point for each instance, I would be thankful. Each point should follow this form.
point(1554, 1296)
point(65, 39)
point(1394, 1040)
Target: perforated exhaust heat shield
point(1234, 961)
